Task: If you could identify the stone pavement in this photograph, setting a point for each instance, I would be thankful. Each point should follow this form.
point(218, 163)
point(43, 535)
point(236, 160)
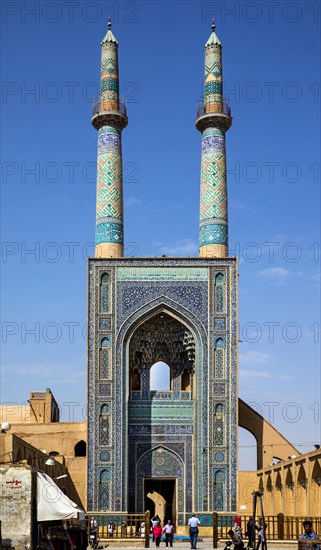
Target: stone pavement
point(205, 544)
point(179, 545)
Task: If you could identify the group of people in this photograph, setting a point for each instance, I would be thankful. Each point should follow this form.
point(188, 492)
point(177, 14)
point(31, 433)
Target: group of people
point(236, 534)
point(168, 530)
point(158, 531)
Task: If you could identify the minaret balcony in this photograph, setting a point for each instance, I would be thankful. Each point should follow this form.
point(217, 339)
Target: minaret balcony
point(109, 112)
point(214, 114)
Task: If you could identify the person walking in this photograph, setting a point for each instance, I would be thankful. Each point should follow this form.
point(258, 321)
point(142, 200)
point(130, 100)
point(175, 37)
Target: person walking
point(154, 520)
point(193, 524)
point(157, 532)
point(261, 528)
point(169, 533)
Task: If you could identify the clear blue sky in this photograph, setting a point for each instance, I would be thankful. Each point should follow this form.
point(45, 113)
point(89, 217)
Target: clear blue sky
point(271, 73)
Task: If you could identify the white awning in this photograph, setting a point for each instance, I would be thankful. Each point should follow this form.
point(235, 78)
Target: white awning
point(52, 503)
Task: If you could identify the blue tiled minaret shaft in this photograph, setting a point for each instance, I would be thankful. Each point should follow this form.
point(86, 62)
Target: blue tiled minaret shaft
point(109, 118)
point(213, 120)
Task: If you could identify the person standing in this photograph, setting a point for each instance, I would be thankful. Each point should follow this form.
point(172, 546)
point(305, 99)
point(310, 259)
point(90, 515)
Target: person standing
point(157, 532)
point(309, 534)
point(193, 524)
point(123, 528)
point(250, 532)
point(169, 533)
point(93, 532)
point(111, 528)
point(142, 529)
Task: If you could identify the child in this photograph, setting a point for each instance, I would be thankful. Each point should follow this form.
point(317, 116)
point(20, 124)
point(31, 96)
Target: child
point(238, 527)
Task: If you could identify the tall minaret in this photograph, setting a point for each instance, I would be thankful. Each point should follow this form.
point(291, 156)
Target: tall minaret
point(213, 120)
point(109, 118)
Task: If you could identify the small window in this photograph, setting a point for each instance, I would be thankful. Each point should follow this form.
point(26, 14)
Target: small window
point(135, 380)
point(104, 359)
point(219, 343)
point(219, 292)
point(186, 381)
point(105, 293)
point(80, 448)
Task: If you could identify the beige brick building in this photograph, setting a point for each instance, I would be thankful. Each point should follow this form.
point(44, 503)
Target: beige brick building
point(290, 486)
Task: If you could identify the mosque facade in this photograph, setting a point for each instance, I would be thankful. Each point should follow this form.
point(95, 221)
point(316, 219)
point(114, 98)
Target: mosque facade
point(179, 441)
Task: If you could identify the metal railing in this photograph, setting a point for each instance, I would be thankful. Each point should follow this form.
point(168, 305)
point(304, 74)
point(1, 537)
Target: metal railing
point(279, 527)
point(122, 526)
point(222, 107)
point(106, 104)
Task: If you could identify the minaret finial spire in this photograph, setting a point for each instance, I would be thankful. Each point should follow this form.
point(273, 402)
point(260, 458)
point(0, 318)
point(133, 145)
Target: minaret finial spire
point(213, 24)
point(109, 23)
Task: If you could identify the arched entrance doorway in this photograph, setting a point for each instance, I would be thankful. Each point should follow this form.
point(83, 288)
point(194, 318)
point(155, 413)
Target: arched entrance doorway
point(161, 421)
point(161, 472)
point(160, 498)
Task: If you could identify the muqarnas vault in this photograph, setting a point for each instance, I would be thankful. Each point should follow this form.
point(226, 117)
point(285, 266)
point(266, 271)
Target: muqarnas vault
point(179, 441)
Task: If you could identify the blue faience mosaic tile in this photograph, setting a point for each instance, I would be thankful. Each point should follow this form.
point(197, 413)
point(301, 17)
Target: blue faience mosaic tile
point(105, 390)
point(167, 432)
point(219, 389)
point(104, 456)
point(219, 457)
point(219, 323)
point(104, 324)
